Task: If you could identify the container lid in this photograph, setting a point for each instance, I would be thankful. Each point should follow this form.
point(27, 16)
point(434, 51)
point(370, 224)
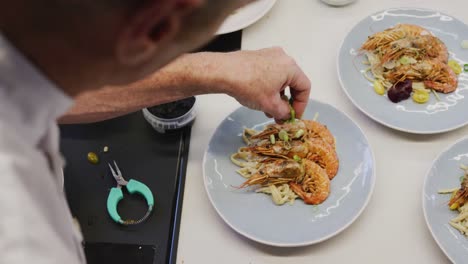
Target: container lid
point(170, 116)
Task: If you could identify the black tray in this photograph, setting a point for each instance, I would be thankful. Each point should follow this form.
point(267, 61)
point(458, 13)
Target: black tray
point(158, 160)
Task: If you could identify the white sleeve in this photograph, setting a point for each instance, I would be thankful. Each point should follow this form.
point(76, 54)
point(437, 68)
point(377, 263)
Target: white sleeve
point(35, 223)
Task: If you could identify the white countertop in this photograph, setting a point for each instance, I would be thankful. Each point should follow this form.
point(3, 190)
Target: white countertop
point(392, 227)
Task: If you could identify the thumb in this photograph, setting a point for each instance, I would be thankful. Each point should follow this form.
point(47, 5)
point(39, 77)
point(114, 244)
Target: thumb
point(278, 108)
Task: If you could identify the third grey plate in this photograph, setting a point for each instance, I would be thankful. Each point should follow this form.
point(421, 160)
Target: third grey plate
point(445, 174)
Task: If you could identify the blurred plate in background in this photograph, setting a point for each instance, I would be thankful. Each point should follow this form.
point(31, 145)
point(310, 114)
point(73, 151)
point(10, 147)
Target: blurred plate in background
point(435, 116)
point(445, 174)
point(246, 16)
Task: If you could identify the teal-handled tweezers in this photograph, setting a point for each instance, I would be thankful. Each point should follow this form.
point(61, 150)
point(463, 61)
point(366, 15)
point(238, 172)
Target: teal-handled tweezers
point(116, 194)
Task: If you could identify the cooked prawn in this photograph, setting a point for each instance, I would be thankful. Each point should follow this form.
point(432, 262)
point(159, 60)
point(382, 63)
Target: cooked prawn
point(262, 144)
point(272, 129)
point(406, 40)
point(280, 149)
point(299, 154)
point(245, 158)
point(461, 196)
point(431, 46)
point(443, 80)
point(317, 130)
point(275, 171)
point(434, 73)
point(411, 29)
point(291, 127)
point(383, 38)
point(315, 186)
point(324, 155)
point(390, 35)
point(265, 134)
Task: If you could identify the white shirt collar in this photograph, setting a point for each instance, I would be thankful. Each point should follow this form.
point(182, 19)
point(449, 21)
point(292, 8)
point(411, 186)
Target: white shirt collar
point(27, 98)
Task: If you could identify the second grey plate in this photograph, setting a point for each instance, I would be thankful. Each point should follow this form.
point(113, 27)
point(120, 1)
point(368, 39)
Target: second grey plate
point(432, 117)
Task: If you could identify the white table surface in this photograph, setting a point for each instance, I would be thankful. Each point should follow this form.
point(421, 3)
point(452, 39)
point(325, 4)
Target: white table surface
point(392, 228)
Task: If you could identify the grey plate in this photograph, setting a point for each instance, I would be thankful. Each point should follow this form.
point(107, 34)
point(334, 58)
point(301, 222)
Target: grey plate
point(256, 216)
point(445, 174)
point(432, 117)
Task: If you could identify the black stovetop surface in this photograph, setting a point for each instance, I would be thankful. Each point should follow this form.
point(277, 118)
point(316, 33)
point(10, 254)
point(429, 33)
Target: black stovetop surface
point(158, 160)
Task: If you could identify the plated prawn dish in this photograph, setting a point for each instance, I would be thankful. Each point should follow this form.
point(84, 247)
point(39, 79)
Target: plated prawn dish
point(459, 202)
point(407, 68)
point(409, 61)
point(293, 160)
point(445, 200)
point(252, 166)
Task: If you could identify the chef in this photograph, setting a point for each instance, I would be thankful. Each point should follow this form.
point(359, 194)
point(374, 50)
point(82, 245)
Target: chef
point(105, 54)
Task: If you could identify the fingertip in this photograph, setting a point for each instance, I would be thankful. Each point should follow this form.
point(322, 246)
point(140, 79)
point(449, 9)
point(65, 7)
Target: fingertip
point(299, 107)
point(285, 112)
point(277, 108)
point(300, 91)
point(279, 121)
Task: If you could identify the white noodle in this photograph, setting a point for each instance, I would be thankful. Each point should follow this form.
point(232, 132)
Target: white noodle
point(460, 217)
point(461, 221)
point(281, 194)
point(446, 191)
point(315, 116)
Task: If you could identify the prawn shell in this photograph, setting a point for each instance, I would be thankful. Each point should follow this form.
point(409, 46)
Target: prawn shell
point(317, 130)
point(461, 196)
point(446, 81)
point(406, 40)
point(315, 186)
point(279, 150)
point(275, 171)
point(324, 155)
point(434, 73)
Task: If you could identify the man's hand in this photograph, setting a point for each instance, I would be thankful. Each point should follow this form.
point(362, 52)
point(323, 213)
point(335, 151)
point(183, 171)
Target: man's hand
point(257, 79)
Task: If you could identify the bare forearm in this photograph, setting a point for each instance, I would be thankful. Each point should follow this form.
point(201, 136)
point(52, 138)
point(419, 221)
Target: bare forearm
point(189, 75)
point(255, 78)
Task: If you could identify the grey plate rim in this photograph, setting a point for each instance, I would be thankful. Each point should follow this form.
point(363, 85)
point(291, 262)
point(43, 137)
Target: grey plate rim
point(382, 122)
point(426, 218)
point(314, 241)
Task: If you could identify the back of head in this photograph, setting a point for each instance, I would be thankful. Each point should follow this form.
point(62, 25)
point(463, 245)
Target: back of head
point(90, 43)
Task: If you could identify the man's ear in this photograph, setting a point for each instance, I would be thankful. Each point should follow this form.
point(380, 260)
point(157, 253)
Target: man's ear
point(149, 27)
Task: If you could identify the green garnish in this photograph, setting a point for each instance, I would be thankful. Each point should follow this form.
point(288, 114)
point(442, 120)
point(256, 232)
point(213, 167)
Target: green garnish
point(293, 114)
point(462, 178)
point(315, 208)
point(297, 158)
point(465, 67)
point(272, 139)
point(299, 133)
point(283, 135)
point(291, 109)
point(407, 60)
point(456, 68)
point(315, 116)
point(464, 44)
